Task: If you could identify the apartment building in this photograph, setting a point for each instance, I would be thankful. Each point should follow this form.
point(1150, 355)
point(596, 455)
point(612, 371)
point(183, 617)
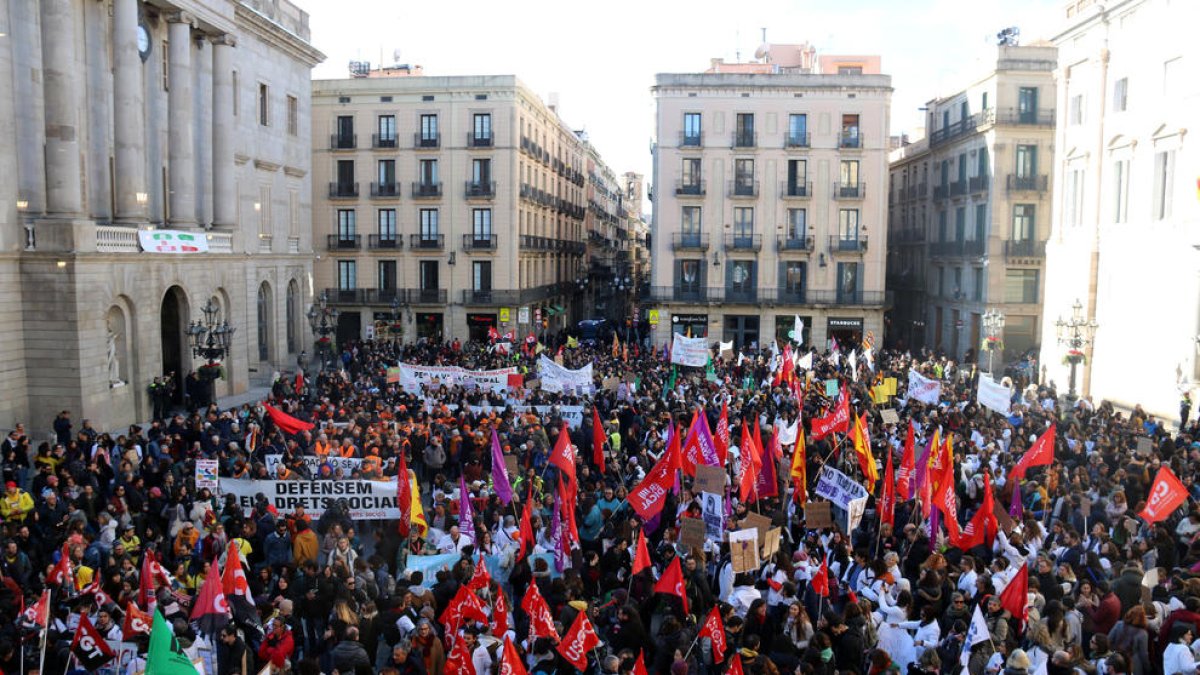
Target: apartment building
point(1126, 211)
point(155, 159)
point(769, 196)
point(445, 206)
point(969, 211)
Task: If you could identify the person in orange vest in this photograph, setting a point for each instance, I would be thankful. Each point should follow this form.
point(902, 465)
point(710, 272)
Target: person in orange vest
point(347, 448)
point(321, 448)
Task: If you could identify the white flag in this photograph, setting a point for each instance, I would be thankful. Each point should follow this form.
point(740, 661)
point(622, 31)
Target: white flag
point(854, 365)
point(799, 329)
point(837, 357)
point(787, 433)
point(725, 347)
point(977, 632)
point(870, 356)
point(805, 362)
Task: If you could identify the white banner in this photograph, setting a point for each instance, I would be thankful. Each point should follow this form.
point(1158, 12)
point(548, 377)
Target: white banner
point(573, 414)
point(172, 241)
point(993, 396)
point(367, 499)
point(557, 379)
point(838, 488)
point(313, 462)
point(688, 351)
point(923, 389)
point(413, 377)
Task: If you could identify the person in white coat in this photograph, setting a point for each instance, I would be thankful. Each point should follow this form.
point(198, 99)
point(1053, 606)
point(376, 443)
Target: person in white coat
point(928, 632)
point(1177, 657)
point(893, 623)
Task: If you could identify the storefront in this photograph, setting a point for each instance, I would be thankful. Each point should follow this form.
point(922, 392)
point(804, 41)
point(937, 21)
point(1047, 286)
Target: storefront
point(847, 332)
point(784, 325)
point(478, 325)
point(742, 329)
point(388, 327)
point(695, 325)
point(430, 326)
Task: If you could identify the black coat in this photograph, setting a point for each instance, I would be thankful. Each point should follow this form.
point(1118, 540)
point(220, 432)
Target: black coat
point(848, 647)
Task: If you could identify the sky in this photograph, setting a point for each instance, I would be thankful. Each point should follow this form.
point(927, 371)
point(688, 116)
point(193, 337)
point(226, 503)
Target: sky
point(601, 58)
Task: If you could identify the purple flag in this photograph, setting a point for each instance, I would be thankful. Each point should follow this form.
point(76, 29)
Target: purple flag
point(701, 434)
point(500, 482)
point(922, 467)
point(933, 525)
point(466, 514)
point(1015, 509)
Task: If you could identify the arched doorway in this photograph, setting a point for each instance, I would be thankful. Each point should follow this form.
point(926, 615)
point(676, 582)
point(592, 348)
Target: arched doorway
point(265, 313)
point(173, 319)
point(293, 315)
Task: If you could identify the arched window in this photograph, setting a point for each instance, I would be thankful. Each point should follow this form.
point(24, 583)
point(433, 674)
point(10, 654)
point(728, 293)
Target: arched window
point(293, 314)
point(264, 322)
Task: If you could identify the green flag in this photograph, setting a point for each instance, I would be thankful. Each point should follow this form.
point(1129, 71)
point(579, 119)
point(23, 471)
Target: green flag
point(166, 657)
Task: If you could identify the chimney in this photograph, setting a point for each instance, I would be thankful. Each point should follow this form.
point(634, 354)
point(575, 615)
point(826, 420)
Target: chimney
point(552, 101)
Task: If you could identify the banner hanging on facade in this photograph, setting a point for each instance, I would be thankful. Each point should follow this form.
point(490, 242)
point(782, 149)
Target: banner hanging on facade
point(172, 241)
point(367, 499)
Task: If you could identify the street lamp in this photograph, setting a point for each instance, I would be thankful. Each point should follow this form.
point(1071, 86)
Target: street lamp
point(212, 338)
point(993, 323)
point(1075, 334)
point(323, 321)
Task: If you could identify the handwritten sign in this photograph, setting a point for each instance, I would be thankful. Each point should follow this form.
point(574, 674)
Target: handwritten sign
point(771, 543)
point(758, 522)
point(692, 533)
point(818, 515)
point(743, 550)
point(1145, 446)
point(890, 416)
point(710, 479)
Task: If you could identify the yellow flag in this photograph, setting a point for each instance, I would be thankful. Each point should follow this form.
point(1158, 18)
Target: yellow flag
point(862, 448)
point(572, 342)
point(417, 512)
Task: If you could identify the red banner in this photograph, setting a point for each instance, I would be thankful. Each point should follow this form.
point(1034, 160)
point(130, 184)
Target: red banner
point(650, 495)
point(714, 630)
point(578, 641)
point(838, 420)
point(1166, 494)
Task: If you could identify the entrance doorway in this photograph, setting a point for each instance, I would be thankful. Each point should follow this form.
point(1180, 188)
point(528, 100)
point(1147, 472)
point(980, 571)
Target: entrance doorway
point(349, 328)
point(173, 317)
point(743, 330)
point(848, 332)
point(478, 325)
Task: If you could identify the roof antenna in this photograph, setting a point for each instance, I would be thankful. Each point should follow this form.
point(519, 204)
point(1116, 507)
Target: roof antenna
point(764, 31)
point(737, 46)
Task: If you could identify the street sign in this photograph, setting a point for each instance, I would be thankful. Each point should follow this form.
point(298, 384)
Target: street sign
point(504, 315)
point(523, 315)
point(653, 317)
point(537, 315)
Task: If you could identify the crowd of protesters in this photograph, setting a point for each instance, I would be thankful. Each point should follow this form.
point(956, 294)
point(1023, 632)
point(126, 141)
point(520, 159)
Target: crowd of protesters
point(1108, 593)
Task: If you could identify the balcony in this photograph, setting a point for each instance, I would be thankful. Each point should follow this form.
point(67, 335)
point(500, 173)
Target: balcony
point(849, 190)
point(845, 297)
point(385, 189)
point(479, 242)
point(958, 129)
point(1040, 118)
point(840, 244)
point(343, 190)
point(743, 242)
point(426, 242)
point(1024, 248)
point(427, 141)
point(795, 244)
point(1017, 183)
point(343, 141)
point(479, 140)
point(425, 190)
point(425, 296)
point(743, 188)
point(491, 297)
point(958, 247)
point(385, 296)
point(383, 141)
point(346, 296)
point(344, 242)
point(690, 293)
point(689, 241)
point(687, 140)
point(790, 296)
point(797, 141)
point(941, 191)
point(795, 190)
point(744, 139)
point(384, 242)
point(850, 138)
point(958, 188)
point(694, 188)
point(978, 183)
point(737, 296)
point(480, 189)
point(532, 242)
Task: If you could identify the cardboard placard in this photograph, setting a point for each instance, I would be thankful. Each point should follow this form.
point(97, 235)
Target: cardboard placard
point(890, 416)
point(511, 466)
point(818, 515)
point(771, 543)
point(1085, 507)
point(760, 523)
point(890, 383)
point(533, 383)
point(1131, 526)
point(611, 383)
point(1004, 520)
point(743, 550)
point(710, 479)
point(692, 532)
point(1145, 446)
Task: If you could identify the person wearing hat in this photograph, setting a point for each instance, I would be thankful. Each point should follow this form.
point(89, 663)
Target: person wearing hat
point(185, 541)
point(16, 504)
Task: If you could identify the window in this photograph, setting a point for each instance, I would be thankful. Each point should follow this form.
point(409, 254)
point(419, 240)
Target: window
point(981, 162)
point(345, 222)
point(942, 229)
point(983, 101)
point(347, 275)
point(689, 222)
point(387, 131)
point(428, 275)
point(1075, 110)
point(850, 135)
point(481, 172)
point(427, 170)
point(482, 129)
point(797, 224)
point(958, 282)
point(481, 225)
point(1024, 226)
point(849, 70)
point(797, 130)
point(977, 284)
point(166, 67)
point(692, 129)
point(429, 224)
point(793, 277)
point(743, 222)
point(945, 174)
point(1120, 94)
point(1172, 75)
point(1073, 208)
point(481, 275)
point(689, 275)
point(1121, 191)
point(429, 131)
point(741, 278)
point(1164, 182)
point(847, 283)
point(960, 223)
point(962, 168)
point(849, 172)
point(387, 172)
point(981, 222)
point(387, 224)
point(744, 137)
point(1027, 105)
point(743, 176)
point(293, 115)
point(264, 116)
point(848, 224)
point(691, 173)
point(1021, 286)
point(1026, 161)
point(387, 275)
point(797, 177)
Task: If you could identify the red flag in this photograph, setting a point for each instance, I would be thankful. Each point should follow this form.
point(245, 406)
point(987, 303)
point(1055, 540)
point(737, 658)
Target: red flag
point(286, 423)
point(541, 622)
point(650, 495)
point(714, 630)
point(1166, 494)
point(947, 501)
point(146, 588)
point(465, 605)
point(767, 482)
point(735, 666)
point(563, 456)
point(403, 494)
point(908, 464)
point(983, 526)
point(458, 662)
point(526, 531)
point(89, 647)
point(639, 666)
point(799, 471)
point(597, 440)
point(751, 462)
point(1015, 597)
point(39, 613)
point(838, 420)
point(237, 588)
point(568, 512)
point(671, 583)
point(578, 641)
point(136, 622)
point(721, 438)
point(862, 448)
point(641, 559)
point(61, 574)
point(480, 577)
point(820, 581)
point(887, 505)
point(211, 610)
point(510, 663)
point(1039, 454)
point(500, 612)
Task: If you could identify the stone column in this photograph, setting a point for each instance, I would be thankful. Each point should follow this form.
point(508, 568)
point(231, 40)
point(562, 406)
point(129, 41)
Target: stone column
point(181, 154)
point(224, 130)
point(204, 131)
point(64, 194)
point(129, 138)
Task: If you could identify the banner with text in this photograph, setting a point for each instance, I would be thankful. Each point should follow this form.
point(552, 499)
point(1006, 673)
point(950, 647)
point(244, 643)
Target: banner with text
point(557, 379)
point(412, 378)
point(573, 414)
point(688, 351)
point(993, 396)
point(923, 389)
point(346, 464)
point(367, 499)
point(848, 497)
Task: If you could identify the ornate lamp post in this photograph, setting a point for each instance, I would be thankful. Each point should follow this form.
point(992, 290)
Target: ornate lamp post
point(1075, 334)
point(323, 321)
point(211, 340)
point(993, 324)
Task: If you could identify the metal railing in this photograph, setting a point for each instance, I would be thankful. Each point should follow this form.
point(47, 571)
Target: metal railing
point(385, 296)
point(958, 188)
point(474, 141)
point(795, 190)
point(689, 241)
point(491, 297)
point(384, 242)
point(850, 139)
point(426, 242)
point(838, 243)
point(681, 293)
point(1024, 248)
point(346, 296)
point(687, 140)
point(480, 189)
point(1043, 117)
point(849, 190)
point(941, 191)
point(743, 242)
point(423, 190)
point(421, 140)
point(479, 242)
point(343, 141)
point(692, 188)
point(425, 296)
point(744, 139)
point(741, 188)
point(343, 190)
point(978, 183)
point(840, 297)
point(343, 242)
point(792, 296)
point(1038, 183)
point(385, 189)
point(381, 141)
point(795, 244)
point(797, 140)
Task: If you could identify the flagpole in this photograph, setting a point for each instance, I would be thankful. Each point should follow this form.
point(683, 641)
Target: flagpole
point(45, 629)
